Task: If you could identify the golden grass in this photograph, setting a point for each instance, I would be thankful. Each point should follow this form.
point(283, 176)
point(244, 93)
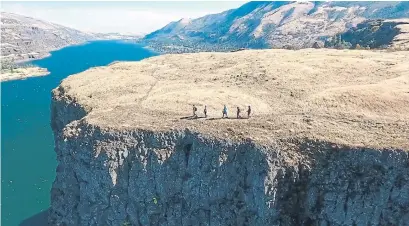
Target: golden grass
point(353, 97)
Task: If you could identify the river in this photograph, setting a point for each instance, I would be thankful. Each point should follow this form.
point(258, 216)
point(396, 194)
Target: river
point(27, 147)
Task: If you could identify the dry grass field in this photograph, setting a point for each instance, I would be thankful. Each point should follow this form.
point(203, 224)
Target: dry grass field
point(352, 97)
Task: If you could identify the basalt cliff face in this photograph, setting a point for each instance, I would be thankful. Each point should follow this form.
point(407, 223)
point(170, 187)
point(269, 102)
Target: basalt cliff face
point(128, 155)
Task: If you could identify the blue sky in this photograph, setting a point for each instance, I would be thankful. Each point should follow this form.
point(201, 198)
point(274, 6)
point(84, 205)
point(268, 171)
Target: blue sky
point(124, 17)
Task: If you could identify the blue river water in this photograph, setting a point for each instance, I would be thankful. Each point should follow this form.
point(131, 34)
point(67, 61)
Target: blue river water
point(28, 161)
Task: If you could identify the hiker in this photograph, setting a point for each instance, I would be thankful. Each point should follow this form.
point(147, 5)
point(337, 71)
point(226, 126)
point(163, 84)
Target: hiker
point(194, 110)
point(205, 111)
point(248, 112)
point(224, 111)
point(238, 112)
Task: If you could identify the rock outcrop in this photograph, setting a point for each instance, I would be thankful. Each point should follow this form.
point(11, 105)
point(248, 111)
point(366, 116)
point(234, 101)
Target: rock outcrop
point(327, 144)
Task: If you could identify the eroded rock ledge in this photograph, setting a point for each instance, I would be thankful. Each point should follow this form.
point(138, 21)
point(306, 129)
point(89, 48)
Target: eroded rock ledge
point(127, 157)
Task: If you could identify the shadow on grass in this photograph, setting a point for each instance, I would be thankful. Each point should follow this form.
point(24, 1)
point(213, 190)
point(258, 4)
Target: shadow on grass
point(192, 117)
point(226, 118)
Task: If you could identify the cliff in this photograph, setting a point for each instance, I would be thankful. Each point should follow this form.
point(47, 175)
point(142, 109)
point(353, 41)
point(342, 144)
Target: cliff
point(327, 143)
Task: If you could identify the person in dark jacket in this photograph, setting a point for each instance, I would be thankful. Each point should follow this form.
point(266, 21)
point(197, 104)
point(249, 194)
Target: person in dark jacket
point(248, 112)
point(238, 112)
point(194, 110)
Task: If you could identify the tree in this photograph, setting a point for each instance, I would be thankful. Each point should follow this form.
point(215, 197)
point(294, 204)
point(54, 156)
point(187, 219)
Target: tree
point(335, 40)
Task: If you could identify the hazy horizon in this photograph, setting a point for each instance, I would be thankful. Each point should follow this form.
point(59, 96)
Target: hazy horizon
point(121, 17)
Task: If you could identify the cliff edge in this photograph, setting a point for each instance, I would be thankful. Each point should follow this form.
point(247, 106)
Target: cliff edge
point(327, 142)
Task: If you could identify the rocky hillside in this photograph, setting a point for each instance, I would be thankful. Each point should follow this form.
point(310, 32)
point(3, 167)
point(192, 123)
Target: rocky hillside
point(271, 24)
point(326, 143)
point(25, 38)
point(374, 34)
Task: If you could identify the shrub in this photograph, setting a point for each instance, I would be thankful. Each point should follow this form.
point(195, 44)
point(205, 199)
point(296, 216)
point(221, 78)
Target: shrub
point(126, 223)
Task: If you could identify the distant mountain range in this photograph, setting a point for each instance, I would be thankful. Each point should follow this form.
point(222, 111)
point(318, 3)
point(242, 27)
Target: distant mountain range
point(270, 25)
point(26, 38)
point(253, 25)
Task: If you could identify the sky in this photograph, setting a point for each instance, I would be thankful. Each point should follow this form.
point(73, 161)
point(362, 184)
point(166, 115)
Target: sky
point(123, 17)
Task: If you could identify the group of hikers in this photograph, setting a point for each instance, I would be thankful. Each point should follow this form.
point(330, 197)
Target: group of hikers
point(224, 112)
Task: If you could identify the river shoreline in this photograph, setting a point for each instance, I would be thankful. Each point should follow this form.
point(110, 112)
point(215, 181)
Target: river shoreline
point(23, 73)
point(47, 54)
